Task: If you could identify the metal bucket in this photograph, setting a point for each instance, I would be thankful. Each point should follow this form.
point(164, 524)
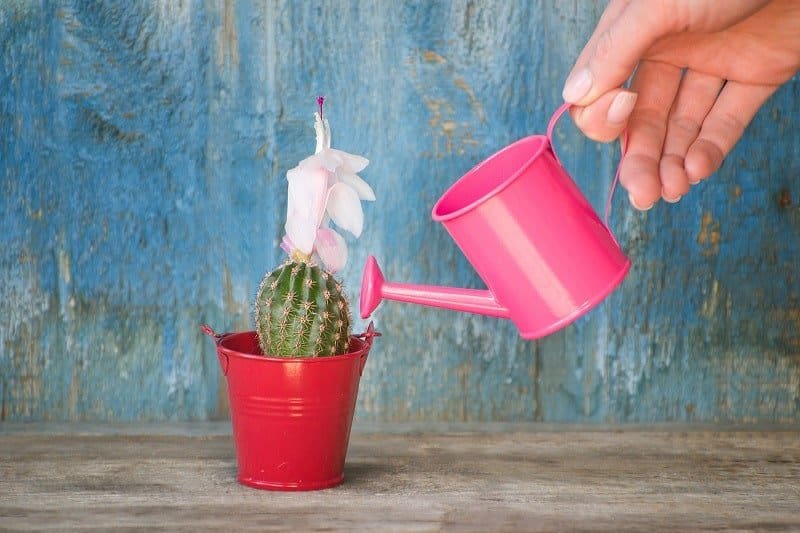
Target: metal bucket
point(291, 416)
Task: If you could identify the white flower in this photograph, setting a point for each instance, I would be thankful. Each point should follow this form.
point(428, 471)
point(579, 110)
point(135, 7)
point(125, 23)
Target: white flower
point(323, 188)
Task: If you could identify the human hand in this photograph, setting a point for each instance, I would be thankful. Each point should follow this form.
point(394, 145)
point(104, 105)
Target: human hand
point(703, 68)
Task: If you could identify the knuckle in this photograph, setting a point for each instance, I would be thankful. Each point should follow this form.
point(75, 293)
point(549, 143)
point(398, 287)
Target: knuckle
point(684, 125)
point(730, 122)
point(604, 46)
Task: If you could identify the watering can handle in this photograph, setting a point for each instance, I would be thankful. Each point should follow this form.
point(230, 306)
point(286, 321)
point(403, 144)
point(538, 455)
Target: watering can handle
point(623, 146)
point(551, 126)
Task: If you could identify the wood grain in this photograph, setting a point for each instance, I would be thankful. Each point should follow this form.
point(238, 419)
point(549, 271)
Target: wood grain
point(523, 478)
point(143, 152)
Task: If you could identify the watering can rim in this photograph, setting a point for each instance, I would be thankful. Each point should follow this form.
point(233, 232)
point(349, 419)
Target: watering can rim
point(437, 217)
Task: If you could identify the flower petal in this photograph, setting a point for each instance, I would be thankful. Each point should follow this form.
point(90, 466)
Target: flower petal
point(331, 248)
point(323, 131)
point(300, 230)
point(328, 159)
point(361, 187)
point(344, 207)
point(350, 162)
point(287, 246)
point(325, 159)
point(306, 206)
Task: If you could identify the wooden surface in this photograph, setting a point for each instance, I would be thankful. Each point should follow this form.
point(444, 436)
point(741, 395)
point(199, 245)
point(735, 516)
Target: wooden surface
point(423, 478)
point(143, 152)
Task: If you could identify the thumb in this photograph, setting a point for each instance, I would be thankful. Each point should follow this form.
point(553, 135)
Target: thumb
point(615, 48)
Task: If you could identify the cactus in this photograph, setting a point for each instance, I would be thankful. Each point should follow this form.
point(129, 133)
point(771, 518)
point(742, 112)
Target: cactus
point(300, 311)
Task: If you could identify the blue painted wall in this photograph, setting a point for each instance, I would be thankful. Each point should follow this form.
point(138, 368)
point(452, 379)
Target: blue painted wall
point(143, 147)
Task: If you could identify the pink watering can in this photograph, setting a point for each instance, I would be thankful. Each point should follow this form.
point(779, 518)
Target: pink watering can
point(545, 256)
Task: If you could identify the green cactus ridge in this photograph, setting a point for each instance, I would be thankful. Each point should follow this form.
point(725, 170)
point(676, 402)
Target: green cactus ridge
point(301, 311)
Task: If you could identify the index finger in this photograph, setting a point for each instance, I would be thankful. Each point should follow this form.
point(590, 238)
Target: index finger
point(626, 30)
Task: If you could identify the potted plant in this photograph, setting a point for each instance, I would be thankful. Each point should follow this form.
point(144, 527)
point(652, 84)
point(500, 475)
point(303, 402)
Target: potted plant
point(293, 381)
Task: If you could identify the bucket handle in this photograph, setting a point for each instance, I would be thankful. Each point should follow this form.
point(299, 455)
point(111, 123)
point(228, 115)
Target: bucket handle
point(368, 337)
point(208, 330)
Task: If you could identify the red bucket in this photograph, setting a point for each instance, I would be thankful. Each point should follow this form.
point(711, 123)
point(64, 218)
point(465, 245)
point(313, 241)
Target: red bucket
point(291, 416)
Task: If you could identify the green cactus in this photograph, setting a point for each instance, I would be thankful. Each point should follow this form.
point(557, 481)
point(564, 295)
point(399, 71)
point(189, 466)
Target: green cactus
point(300, 311)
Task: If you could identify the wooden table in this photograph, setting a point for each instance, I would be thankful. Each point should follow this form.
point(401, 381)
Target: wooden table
point(492, 477)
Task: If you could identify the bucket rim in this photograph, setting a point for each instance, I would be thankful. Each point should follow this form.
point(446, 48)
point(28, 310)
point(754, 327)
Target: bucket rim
point(364, 347)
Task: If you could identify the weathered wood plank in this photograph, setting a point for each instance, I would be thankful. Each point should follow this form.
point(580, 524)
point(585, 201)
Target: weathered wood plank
point(142, 153)
point(520, 479)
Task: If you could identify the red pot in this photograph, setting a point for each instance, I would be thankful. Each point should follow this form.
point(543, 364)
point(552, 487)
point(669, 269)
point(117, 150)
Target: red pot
point(291, 416)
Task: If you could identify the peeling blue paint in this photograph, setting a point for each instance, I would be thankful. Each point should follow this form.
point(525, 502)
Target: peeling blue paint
point(143, 148)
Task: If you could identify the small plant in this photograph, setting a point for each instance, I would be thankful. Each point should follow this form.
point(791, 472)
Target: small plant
point(300, 309)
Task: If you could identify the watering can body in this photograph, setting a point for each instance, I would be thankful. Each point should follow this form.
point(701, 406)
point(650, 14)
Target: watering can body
point(518, 217)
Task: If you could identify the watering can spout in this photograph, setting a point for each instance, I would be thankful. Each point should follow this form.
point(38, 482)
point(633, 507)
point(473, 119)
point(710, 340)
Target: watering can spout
point(375, 288)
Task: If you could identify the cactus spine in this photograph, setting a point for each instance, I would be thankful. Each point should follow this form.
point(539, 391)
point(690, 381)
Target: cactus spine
point(300, 311)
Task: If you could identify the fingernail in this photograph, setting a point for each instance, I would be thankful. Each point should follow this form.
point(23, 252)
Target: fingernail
point(673, 200)
point(694, 182)
point(577, 86)
point(634, 204)
point(621, 107)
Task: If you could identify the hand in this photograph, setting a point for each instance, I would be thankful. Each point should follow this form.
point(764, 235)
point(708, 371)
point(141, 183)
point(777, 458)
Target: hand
point(703, 68)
